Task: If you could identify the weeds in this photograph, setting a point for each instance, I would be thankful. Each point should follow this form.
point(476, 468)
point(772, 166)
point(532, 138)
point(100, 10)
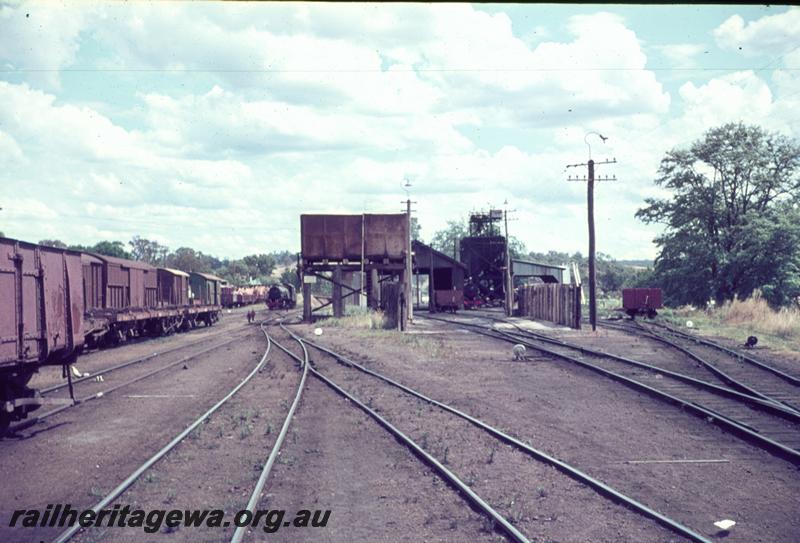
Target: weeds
point(740, 318)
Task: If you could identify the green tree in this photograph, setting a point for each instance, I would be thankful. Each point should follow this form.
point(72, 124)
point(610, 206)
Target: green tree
point(111, 248)
point(415, 229)
point(259, 264)
point(148, 251)
point(186, 259)
point(57, 243)
point(731, 193)
point(284, 258)
point(289, 275)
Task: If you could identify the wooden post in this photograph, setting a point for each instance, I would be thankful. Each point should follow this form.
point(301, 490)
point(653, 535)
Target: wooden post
point(306, 298)
point(431, 291)
point(338, 303)
point(373, 289)
point(592, 273)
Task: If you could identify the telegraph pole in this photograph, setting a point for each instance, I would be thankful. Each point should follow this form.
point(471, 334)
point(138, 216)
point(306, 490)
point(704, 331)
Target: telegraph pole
point(408, 271)
point(590, 204)
point(508, 277)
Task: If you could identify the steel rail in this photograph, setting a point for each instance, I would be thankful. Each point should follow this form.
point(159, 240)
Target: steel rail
point(770, 405)
point(732, 381)
point(68, 534)
point(252, 503)
point(27, 423)
point(732, 425)
point(562, 466)
point(642, 330)
point(783, 375)
point(773, 407)
point(121, 365)
point(426, 457)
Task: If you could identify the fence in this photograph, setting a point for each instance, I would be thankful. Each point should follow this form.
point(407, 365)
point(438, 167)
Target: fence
point(557, 303)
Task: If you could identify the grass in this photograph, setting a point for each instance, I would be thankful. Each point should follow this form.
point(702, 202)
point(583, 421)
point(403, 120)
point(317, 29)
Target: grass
point(358, 318)
point(369, 324)
point(739, 319)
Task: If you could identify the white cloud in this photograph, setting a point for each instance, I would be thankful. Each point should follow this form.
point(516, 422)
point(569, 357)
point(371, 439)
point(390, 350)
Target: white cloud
point(682, 55)
point(771, 34)
point(291, 108)
point(41, 36)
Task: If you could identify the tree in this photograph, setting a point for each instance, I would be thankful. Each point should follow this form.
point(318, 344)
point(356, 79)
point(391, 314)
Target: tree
point(731, 191)
point(516, 248)
point(259, 264)
point(290, 276)
point(111, 248)
point(57, 243)
point(447, 240)
point(148, 251)
point(187, 259)
point(415, 229)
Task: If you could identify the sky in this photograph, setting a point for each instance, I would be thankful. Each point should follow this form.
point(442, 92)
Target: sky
point(214, 126)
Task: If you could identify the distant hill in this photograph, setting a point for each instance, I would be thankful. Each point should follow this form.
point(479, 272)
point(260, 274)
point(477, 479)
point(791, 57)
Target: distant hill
point(636, 263)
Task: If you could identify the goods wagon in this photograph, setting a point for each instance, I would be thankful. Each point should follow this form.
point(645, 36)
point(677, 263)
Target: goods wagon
point(226, 296)
point(54, 303)
point(641, 301)
point(41, 307)
point(206, 288)
point(448, 300)
point(126, 298)
point(173, 288)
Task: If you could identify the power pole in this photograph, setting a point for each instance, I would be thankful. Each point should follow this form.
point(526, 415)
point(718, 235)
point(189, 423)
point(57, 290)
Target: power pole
point(509, 281)
point(409, 264)
point(409, 295)
point(590, 204)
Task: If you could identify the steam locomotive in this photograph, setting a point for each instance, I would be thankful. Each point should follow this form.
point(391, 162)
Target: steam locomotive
point(281, 296)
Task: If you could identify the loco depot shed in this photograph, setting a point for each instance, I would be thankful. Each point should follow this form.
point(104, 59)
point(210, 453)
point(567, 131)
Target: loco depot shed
point(548, 273)
point(446, 274)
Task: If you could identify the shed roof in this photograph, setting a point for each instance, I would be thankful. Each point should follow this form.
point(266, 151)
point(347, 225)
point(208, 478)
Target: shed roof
point(135, 264)
point(423, 253)
point(209, 276)
point(173, 271)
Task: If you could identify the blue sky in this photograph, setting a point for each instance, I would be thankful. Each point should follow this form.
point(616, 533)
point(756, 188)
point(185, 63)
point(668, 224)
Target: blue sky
point(216, 125)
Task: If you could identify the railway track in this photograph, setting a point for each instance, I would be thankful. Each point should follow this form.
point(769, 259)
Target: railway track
point(111, 496)
point(66, 402)
point(495, 435)
point(760, 422)
point(736, 369)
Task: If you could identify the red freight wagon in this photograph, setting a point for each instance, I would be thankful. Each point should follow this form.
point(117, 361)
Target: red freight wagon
point(40, 319)
point(174, 288)
point(641, 301)
point(448, 300)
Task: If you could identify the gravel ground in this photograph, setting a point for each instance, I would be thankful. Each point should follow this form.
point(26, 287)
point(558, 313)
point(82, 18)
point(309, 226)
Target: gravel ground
point(77, 456)
point(337, 458)
point(629, 440)
point(340, 459)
